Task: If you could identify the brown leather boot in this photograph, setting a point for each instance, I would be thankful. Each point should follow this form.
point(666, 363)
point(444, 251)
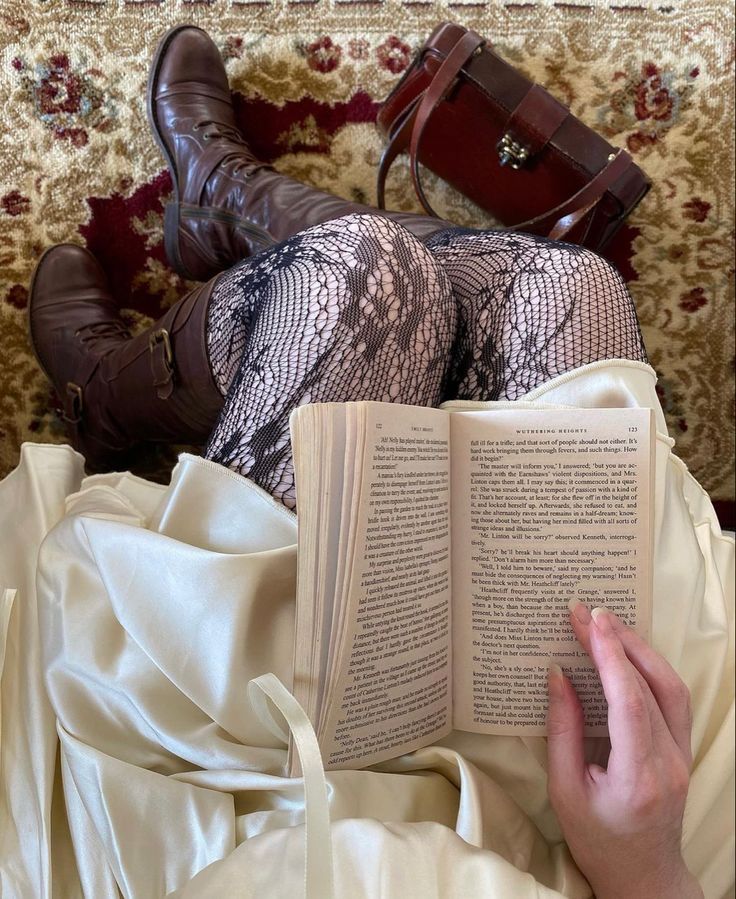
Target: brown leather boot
point(116, 390)
point(227, 205)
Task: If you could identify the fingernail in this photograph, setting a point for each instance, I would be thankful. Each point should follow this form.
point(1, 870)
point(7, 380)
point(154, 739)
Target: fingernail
point(579, 610)
point(555, 681)
point(601, 619)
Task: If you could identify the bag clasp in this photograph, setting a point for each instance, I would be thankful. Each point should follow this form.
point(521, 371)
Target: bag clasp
point(511, 152)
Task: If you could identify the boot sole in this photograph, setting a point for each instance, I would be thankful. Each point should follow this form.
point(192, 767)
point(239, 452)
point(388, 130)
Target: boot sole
point(171, 212)
point(29, 318)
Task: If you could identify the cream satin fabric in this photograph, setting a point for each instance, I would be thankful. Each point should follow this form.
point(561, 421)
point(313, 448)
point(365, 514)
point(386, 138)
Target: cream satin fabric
point(132, 761)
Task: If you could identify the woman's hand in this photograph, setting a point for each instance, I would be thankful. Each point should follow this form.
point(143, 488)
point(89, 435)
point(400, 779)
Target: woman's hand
point(623, 825)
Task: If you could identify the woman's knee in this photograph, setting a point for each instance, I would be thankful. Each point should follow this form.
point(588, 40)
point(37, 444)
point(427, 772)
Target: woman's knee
point(501, 256)
point(387, 264)
point(597, 275)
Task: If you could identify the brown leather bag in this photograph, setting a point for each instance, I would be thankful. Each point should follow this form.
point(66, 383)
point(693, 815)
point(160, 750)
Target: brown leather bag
point(506, 143)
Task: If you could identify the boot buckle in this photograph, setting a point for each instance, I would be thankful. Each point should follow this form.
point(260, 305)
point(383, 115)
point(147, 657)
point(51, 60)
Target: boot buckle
point(162, 362)
point(73, 405)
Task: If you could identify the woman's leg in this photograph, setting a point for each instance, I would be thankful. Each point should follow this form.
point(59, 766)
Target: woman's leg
point(530, 309)
point(352, 309)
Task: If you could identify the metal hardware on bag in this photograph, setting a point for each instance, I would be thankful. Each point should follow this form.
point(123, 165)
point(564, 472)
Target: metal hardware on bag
point(511, 153)
point(162, 336)
point(73, 393)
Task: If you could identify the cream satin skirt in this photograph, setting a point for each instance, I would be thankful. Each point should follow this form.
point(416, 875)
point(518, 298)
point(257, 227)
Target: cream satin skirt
point(136, 761)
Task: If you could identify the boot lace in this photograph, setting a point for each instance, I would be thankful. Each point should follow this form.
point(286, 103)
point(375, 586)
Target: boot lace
point(221, 131)
point(109, 330)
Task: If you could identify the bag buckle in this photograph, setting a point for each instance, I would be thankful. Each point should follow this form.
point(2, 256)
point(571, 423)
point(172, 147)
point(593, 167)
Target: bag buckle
point(511, 152)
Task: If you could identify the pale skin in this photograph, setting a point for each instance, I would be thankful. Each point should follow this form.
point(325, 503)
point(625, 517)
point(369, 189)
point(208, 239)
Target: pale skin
point(623, 824)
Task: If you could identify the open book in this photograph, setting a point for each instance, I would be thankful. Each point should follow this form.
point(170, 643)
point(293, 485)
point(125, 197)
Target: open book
point(437, 553)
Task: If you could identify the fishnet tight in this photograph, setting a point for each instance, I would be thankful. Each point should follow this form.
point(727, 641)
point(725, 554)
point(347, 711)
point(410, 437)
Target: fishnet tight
point(530, 309)
point(357, 308)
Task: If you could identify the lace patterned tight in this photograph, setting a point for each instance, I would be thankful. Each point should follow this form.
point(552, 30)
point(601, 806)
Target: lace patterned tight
point(357, 309)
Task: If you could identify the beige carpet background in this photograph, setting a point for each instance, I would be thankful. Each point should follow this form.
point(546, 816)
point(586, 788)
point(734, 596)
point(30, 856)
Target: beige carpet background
point(78, 163)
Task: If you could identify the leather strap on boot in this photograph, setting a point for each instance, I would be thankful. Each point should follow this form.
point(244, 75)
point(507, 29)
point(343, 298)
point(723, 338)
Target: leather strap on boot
point(116, 390)
point(162, 362)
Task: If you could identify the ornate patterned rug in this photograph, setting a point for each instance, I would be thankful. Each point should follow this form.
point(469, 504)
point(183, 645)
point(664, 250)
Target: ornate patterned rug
point(78, 162)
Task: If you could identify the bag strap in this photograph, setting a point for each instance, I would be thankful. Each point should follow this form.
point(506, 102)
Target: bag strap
point(409, 133)
point(318, 872)
point(438, 89)
point(534, 122)
point(568, 214)
point(562, 219)
point(397, 143)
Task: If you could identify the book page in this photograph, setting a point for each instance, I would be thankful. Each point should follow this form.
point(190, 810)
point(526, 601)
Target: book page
point(548, 506)
point(390, 679)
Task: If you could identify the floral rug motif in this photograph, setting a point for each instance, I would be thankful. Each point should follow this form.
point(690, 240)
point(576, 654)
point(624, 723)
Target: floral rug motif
point(79, 165)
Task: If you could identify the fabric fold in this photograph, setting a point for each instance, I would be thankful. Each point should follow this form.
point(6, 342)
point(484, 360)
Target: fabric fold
point(141, 612)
